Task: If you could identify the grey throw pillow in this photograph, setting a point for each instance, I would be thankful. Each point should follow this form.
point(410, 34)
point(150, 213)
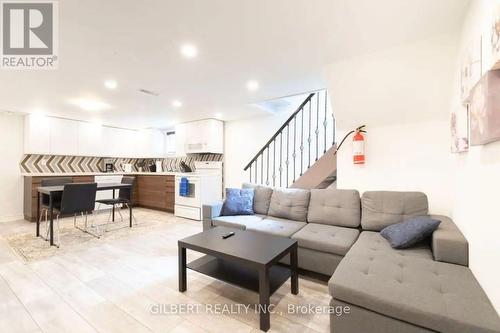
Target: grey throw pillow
point(238, 202)
point(409, 232)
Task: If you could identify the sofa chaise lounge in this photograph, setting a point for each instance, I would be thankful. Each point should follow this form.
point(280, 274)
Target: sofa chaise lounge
point(426, 288)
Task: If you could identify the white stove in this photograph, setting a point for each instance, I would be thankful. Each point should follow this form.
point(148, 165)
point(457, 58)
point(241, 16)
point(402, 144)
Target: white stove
point(205, 187)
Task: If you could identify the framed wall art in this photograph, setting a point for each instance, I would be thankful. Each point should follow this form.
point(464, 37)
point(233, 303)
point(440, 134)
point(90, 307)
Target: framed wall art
point(471, 69)
point(485, 110)
point(495, 38)
point(459, 127)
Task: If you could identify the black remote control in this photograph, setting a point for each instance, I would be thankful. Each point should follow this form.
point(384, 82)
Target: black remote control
point(229, 234)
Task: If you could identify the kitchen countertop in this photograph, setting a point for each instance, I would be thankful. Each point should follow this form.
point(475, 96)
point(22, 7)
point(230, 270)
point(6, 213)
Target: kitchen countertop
point(70, 174)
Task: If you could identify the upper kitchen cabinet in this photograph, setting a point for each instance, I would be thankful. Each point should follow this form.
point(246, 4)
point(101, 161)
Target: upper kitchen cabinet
point(36, 134)
point(133, 144)
point(180, 139)
point(150, 143)
point(49, 135)
point(90, 139)
point(157, 140)
point(56, 136)
point(63, 136)
point(203, 136)
point(119, 142)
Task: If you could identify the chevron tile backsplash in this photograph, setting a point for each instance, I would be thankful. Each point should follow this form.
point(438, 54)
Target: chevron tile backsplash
point(33, 164)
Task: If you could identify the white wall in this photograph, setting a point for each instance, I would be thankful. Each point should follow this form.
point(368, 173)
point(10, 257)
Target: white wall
point(405, 96)
point(11, 182)
point(243, 139)
point(477, 178)
point(402, 158)
point(404, 84)
point(402, 94)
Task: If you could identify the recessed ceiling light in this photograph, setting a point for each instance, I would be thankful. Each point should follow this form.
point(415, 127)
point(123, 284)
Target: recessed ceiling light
point(90, 104)
point(176, 103)
point(111, 84)
point(189, 51)
point(252, 85)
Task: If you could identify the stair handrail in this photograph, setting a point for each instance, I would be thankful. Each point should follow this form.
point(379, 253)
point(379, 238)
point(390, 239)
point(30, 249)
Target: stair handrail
point(301, 106)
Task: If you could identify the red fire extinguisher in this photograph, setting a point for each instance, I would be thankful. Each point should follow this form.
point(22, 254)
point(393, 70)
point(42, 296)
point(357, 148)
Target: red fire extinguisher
point(358, 147)
point(358, 144)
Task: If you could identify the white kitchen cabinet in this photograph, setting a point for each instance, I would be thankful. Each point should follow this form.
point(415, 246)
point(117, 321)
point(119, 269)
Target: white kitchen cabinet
point(141, 144)
point(119, 142)
point(50, 135)
point(150, 144)
point(157, 143)
point(180, 139)
point(203, 136)
point(127, 146)
point(57, 136)
point(36, 134)
point(214, 134)
point(90, 139)
point(63, 136)
point(108, 149)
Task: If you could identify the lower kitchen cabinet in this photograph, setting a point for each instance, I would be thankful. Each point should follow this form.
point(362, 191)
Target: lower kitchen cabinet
point(156, 192)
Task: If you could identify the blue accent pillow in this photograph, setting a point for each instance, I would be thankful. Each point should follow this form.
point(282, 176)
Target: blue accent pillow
point(409, 232)
point(238, 202)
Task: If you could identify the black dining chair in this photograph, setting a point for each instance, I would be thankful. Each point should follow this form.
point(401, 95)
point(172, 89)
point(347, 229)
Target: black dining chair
point(124, 198)
point(77, 198)
point(45, 199)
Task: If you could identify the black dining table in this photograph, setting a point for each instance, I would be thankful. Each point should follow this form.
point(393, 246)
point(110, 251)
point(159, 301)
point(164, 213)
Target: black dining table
point(52, 190)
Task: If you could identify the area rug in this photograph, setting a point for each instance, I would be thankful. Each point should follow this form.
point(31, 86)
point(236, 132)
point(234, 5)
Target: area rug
point(31, 248)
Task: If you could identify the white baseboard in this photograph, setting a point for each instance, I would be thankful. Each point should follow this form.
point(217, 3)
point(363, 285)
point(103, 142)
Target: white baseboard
point(10, 218)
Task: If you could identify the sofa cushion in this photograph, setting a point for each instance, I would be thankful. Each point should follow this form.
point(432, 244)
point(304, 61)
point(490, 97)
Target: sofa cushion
point(383, 208)
point(237, 221)
point(290, 204)
point(409, 285)
point(409, 232)
point(326, 238)
point(261, 198)
point(238, 202)
point(335, 207)
point(277, 226)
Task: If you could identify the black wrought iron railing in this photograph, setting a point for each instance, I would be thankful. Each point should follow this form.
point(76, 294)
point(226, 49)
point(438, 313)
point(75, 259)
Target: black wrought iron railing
point(304, 137)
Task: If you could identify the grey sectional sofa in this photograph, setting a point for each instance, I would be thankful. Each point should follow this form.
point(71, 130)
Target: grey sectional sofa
point(427, 288)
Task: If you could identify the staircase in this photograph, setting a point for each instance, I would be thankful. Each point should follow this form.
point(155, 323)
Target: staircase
point(301, 154)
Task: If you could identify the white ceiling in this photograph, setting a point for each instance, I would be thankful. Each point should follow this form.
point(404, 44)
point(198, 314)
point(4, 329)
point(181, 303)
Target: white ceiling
point(284, 44)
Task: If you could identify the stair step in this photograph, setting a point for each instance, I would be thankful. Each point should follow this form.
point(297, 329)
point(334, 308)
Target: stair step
point(327, 182)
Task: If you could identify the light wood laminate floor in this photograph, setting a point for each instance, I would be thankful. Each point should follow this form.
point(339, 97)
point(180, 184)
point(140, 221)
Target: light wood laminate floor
point(118, 285)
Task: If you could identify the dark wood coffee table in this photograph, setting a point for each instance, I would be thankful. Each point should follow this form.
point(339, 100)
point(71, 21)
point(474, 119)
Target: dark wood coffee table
point(248, 260)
